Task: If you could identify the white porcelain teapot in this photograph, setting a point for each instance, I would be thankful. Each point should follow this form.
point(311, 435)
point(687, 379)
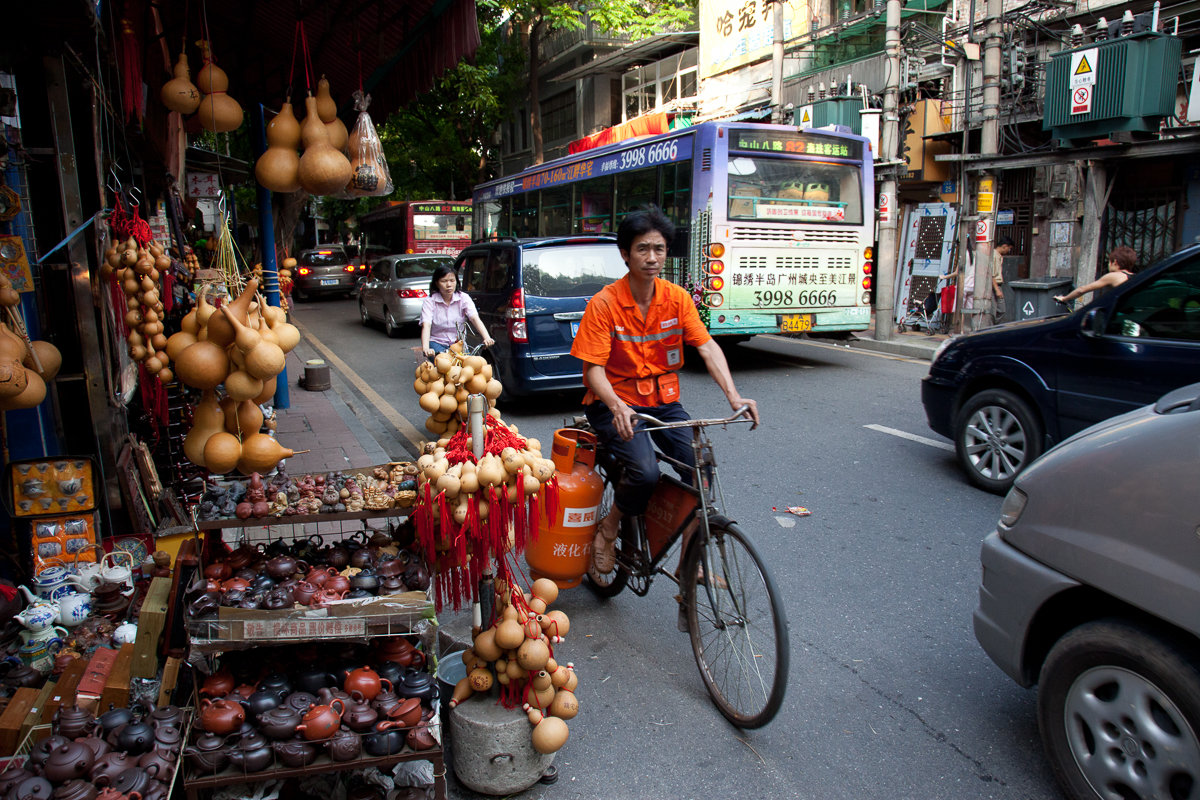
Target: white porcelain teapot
point(88, 573)
point(116, 573)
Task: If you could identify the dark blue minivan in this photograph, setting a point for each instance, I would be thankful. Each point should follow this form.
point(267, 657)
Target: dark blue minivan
point(1007, 394)
point(531, 294)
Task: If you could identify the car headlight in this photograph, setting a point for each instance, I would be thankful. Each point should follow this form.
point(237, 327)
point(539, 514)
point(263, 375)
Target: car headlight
point(1012, 507)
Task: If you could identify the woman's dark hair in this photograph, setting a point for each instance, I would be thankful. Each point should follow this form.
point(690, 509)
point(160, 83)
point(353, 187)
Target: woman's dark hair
point(1125, 257)
point(641, 222)
point(441, 271)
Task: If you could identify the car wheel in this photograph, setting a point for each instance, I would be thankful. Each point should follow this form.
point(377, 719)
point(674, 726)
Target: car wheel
point(996, 436)
point(390, 326)
point(1119, 710)
point(363, 315)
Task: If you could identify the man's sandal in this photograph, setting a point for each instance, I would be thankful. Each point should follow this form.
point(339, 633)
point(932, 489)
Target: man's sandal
point(604, 549)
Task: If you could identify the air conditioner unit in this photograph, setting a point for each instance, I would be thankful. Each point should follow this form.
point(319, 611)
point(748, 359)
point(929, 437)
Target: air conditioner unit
point(1125, 84)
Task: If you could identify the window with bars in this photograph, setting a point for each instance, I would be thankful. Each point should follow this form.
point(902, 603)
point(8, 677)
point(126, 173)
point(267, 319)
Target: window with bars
point(558, 117)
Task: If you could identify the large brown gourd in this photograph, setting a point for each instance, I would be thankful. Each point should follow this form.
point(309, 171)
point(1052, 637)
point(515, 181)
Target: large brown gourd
point(323, 169)
point(278, 169)
point(327, 111)
point(179, 93)
point(218, 111)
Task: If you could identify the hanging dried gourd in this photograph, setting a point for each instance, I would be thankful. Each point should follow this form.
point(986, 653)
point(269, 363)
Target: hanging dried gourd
point(370, 176)
point(327, 111)
point(179, 93)
point(278, 168)
point(218, 111)
point(323, 168)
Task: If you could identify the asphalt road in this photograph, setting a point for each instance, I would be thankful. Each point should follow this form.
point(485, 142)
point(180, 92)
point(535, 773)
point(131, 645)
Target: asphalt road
point(889, 695)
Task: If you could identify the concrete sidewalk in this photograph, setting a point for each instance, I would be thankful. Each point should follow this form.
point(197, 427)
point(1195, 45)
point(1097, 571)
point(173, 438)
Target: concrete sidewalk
point(911, 344)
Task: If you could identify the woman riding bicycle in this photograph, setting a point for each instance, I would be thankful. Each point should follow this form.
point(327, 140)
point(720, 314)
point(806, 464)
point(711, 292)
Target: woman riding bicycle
point(631, 342)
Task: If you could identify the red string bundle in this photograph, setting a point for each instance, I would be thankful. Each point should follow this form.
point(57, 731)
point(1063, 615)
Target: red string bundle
point(132, 99)
point(125, 225)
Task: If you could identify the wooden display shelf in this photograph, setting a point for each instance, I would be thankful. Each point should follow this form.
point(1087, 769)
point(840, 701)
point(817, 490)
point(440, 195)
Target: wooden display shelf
point(302, 519)
point(193, 784)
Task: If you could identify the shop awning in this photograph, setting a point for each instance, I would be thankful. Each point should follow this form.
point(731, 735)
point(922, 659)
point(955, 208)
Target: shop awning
point(397, 47)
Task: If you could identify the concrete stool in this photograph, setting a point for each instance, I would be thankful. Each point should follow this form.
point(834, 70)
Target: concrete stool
point(493, 752)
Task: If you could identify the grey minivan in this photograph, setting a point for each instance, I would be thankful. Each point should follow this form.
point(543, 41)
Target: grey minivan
point(1091, 589)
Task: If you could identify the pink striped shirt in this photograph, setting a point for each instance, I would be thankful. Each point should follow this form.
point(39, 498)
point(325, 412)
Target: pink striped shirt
point(445, 318)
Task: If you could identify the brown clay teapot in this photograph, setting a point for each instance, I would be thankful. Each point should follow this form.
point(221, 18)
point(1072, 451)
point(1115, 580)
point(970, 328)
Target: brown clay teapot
point(109, 766)
point(337, 583)
point(395, 648)
point(365, 681)
point(304, 592)
point(171, 715)
point(321, 721)
point(251, 754)
point(279, 723)
point(219, 684)
point(158, 763)
point(221, 716)
point(76, 789)
point(281, 567)
point(68, 762)
point(42, 749)
point(13, 775)
point(420, 738)
point(295, 753)
point(73, 722)
point(326, 596)
point(318, 575)
point(345, 745)
point(36, 788)
point(359, 716)
point(208, 755)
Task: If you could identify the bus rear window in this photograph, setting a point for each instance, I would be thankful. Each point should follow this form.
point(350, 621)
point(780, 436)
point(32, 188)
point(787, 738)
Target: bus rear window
point(572, 270)
point(787, 190)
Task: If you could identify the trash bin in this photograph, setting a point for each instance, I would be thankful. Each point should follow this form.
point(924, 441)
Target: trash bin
point(1033, 298)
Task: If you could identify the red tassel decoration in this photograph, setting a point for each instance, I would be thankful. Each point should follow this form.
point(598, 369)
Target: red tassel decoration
point(132, 98)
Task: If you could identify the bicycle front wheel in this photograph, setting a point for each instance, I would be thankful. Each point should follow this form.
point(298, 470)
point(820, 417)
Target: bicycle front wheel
point(737, 626)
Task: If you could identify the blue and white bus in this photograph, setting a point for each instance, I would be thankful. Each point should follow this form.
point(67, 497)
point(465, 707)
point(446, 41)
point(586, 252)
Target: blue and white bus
point(776, 224)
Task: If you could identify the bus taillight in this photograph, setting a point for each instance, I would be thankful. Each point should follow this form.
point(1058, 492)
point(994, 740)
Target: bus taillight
point(715, 267)
point(715, 300)
point(868, 253)
point(866, 282)
point(867, 268)
point(515, 315)
point(715, 250)
point(715, 284)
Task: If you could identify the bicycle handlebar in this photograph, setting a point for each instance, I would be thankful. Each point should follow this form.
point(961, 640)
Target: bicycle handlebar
point(741, 415)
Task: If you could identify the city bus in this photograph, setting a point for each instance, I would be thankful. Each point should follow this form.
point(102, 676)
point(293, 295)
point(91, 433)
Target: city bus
point(411, 226)
point(775, 224)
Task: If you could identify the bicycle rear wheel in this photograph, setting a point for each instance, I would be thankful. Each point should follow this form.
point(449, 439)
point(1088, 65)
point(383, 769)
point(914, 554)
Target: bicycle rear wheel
point(737, 625)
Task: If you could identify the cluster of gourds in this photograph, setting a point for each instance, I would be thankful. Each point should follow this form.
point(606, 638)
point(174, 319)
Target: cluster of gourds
point(241, 345)
point(25, 367)
point(208, 97)
point(322, 168)
point(444, 385)
point(138, 270)
point(515, 651)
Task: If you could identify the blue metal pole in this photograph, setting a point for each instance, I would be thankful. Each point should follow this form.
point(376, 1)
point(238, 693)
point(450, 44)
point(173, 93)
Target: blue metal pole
point(266, 232)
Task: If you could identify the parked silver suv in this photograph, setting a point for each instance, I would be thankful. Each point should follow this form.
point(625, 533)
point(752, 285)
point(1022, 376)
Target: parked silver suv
point(1091, 589)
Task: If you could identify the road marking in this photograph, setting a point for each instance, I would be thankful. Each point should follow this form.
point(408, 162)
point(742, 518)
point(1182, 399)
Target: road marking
point(912, 437)
point(398, 420)
point(786, 522)
point(843, 348)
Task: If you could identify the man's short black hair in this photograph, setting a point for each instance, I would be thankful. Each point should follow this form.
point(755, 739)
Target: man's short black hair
point(641, 222)
point(1004, 241)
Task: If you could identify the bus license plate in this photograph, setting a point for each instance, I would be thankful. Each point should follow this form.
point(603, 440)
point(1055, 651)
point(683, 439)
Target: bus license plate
point(329, 281)
point(574, 329)
point(797, 323)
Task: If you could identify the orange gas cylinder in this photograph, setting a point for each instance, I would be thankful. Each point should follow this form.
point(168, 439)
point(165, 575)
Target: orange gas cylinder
point(563, 548)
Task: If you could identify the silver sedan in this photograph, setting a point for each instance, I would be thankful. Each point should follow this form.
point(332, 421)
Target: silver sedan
point(395, 288)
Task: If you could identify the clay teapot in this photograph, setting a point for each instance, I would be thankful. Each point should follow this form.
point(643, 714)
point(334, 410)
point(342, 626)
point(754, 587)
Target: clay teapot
point(171, 715)
point(392, 585)
point(308, 550)
point(420, 738)
point(278, 598)
point(219, 684)
point(390, 568)
point(42, 749)
point(168, 736)
point(68, 762)
point(218, 571)
point(204, 605)
point(261, 702)
point(406, 714)
point(395, 648)
point(313, 679)
point(416, 576)
point(386, 701)
point(417, 684)
point(208, 755)
point(73, 721)
point(383, 743)
point(13, 775)
point(366, 681)
point(107, 767)
point(360, 716)
point(77, 789)
point(300, 701)
point(20, 676)
point(281, 567)
point(336, 556)
point(304, 592)
point(320, 722)
point(318, 575)
point(391, 672)
point(326, 596)
point(279, 723)
point(244, 555)
point(131, 780)
point(114, 718)
point(251, 754)
point(337, 583)
point(159, 763)
point(276, 682)
point(295, 752)
point(134, 738)
point(36, 788)
point(221, 716)
point(365, 580)
point(345, 745)
point(362, 559)
point(98, 746)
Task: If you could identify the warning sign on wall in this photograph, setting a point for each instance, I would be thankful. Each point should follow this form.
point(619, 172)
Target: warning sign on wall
point(1084, 67)
point(1081, 99)
point(983, 230)
point(804, 117)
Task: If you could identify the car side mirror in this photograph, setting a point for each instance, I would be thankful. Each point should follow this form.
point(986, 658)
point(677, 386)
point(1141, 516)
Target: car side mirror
point(1093, 323)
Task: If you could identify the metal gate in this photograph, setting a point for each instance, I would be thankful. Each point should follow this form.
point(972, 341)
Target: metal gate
point(1146, 218)
point(1016, 198)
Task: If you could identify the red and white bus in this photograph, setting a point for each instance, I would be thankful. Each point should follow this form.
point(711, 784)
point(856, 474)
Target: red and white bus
point(417, 226)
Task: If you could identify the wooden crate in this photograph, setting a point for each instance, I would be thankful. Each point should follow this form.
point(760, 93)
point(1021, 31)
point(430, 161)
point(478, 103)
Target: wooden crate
point(116, 685)
point(12, 721)
point(64, 688)
point(152, 620)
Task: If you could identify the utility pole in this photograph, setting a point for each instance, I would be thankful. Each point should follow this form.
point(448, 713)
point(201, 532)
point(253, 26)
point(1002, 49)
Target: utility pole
point(989, 144)
point(885, 259)
point(777, 63)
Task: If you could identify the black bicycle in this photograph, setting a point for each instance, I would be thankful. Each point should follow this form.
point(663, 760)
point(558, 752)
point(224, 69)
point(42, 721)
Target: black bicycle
point(728, 602)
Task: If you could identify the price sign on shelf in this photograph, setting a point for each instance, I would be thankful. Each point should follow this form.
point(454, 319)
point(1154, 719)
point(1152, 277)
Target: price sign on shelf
point(303, 628)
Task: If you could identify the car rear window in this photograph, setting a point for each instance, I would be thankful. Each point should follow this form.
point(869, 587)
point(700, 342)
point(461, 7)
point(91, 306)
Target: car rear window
point(572, 271)
point(420, 267)
point(322, 258)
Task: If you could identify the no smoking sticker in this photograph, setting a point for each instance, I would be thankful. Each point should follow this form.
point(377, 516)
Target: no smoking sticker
point(1081, 99)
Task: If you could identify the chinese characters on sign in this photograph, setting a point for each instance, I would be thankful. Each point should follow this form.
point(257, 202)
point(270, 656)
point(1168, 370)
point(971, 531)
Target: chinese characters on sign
point(808, 144)
point(737, 32)
point(302, 628)
point(579, 517)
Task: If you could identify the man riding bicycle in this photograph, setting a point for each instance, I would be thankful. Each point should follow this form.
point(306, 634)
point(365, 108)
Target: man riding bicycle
point(631, 342)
